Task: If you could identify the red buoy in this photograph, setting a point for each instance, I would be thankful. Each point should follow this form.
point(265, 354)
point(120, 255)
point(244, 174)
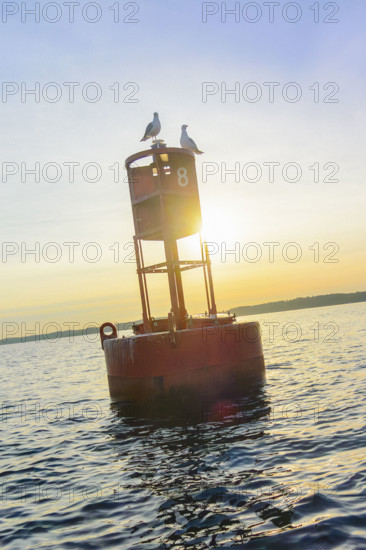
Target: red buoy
point(208, 355)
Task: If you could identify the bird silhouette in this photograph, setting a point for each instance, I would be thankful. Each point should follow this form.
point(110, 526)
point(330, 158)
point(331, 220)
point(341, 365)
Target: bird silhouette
point(152, 129)
point(187, 143)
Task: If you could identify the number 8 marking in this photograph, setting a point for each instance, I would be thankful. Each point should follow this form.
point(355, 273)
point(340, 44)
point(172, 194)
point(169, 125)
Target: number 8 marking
point(183, 180)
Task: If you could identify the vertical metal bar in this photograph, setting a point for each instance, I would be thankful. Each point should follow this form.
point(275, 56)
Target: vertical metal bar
point(167, 246)
point(171, 279)
point(179, 285)
point(144, 277)
point(213, 309)
point(205, 274)
point(145, 319)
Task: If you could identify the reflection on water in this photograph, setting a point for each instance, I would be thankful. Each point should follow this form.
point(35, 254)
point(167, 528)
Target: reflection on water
point(181, 462)
point(189, 409)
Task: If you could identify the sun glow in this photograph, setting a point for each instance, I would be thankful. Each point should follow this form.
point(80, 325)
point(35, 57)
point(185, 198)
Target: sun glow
point(219, 226)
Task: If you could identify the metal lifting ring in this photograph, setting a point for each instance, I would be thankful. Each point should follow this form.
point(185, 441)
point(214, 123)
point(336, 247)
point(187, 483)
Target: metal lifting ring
point(104, 336)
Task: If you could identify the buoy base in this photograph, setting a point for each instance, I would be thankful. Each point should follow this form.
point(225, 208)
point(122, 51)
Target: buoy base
point(204, 362)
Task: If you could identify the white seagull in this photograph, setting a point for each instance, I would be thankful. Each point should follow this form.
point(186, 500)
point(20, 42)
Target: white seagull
point(187, 143)
point(153, 128)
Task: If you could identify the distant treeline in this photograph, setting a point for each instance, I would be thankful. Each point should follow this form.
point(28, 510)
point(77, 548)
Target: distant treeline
point(270, 307)
point(301, 303)
point(71, 334)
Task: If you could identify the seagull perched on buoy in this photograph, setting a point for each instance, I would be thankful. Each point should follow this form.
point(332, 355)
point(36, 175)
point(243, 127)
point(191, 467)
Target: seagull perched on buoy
point(187, 143)
point(152, 129)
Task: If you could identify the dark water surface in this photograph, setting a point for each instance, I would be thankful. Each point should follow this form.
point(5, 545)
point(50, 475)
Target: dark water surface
point(285, 467)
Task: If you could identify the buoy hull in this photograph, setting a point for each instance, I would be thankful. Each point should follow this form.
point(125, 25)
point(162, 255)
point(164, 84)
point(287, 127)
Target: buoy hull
point(209, 361)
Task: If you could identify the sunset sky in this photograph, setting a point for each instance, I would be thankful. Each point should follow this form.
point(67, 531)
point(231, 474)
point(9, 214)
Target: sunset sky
point(161, 63)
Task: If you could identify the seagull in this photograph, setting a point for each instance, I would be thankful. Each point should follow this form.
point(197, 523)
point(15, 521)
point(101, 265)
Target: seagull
point(152, 129)
point(187, 143)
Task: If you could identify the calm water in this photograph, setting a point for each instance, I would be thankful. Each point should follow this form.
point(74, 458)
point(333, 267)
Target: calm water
point(283, 468)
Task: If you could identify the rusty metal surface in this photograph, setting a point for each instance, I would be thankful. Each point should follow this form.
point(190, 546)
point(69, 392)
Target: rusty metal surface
point(197, 321)
point(203, 359)
point(152, 152)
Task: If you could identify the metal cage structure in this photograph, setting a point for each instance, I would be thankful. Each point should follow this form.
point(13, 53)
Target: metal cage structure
point(166, 207)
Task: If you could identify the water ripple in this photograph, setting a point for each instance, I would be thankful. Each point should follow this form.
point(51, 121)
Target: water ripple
point(284, 467)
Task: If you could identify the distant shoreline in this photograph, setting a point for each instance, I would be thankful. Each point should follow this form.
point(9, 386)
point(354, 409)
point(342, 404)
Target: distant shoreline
point(324, 300)
point(309, 302)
